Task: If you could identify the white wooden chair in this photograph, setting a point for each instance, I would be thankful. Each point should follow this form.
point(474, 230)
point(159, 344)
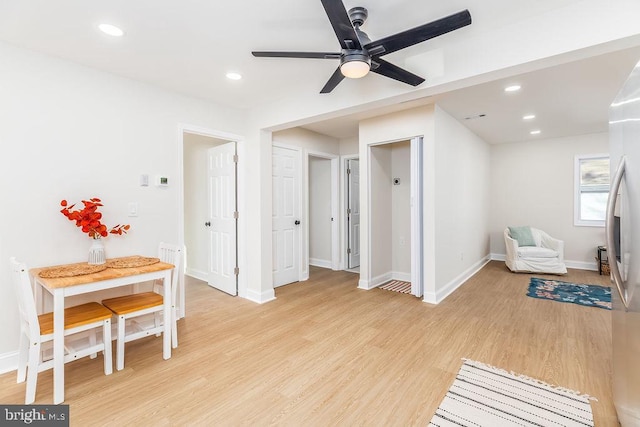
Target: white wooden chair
point(132, 310)
point(36, 332)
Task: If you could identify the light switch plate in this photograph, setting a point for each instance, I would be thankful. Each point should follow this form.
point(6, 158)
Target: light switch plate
point(133, 209)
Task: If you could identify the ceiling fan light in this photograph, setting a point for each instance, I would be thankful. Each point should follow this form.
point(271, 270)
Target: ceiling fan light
point(355, 69)
point(355, 64)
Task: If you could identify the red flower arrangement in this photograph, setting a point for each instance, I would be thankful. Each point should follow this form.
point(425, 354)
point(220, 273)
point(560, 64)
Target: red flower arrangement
point(89, 218)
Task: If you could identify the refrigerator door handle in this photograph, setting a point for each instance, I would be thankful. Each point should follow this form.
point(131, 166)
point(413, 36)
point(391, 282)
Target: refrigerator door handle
point(611, 248)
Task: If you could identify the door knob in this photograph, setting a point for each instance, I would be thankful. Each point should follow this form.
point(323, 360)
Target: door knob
point(207, 224)
point(297, 222)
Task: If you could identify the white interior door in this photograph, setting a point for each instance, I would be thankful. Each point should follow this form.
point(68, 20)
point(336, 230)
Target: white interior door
point(222, 220)
point(353, 213)
point(286, 216)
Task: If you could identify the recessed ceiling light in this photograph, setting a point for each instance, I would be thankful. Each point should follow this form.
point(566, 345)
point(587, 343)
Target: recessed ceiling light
point(234, 76)
point(534, 132)
point(112, 30)
point(529, 117)
point(512, 88)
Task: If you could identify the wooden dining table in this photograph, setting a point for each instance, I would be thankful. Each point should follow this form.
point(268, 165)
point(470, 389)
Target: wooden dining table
point(62, 287)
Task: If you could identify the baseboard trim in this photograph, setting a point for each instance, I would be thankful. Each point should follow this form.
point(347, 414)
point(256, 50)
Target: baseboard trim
point(260, 297)
point(197, 274)
point(578, 265)
point(498, 257)
point(320, 263)
point(403, 277)
point(581, 265)
point(8, 362)
point(445, 291)
point(384, 278)
point(375, 281)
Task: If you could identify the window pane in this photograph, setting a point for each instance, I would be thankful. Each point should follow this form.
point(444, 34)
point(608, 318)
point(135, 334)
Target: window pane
point(593, 206)
point(594, 171)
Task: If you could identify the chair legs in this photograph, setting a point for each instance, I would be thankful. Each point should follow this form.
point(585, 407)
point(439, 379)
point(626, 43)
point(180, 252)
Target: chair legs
point(157, 321)
point(92, 342)
point(32, 372)
point(120, 344)
point(106, 339)
point(174, 327)
point(23, 357)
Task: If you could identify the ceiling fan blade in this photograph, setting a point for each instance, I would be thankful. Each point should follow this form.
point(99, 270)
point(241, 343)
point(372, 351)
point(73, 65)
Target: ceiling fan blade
point(341, 24)
point(312, 55)
point(336, 78)
point(419, 34)
point(387, 69)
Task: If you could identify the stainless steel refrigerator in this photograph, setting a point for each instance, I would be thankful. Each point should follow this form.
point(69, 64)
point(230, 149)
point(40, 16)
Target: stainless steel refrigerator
point(623, 248)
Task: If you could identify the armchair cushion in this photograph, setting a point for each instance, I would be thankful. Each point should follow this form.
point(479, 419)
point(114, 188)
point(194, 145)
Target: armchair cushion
point(523, 235)
point(536, 252)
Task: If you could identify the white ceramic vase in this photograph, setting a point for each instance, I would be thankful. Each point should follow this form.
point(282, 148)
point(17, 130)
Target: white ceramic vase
point(96, 252)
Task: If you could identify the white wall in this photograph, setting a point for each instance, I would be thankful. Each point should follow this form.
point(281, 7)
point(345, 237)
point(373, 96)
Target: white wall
point(462, 193)
point(307, 140)
point(70, 132)
point(320, 212)
point(532, 183)
point(349, 146)
point(401, 210)
point(381, 213)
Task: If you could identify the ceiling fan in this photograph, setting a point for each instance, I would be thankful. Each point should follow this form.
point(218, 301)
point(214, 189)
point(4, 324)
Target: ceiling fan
point(359, 54)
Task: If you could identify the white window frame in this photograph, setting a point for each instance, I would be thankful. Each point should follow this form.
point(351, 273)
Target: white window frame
point(577, 220)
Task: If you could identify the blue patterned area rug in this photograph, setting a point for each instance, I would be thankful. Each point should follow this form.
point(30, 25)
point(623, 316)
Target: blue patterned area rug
point(486, 396)
point(589, 295)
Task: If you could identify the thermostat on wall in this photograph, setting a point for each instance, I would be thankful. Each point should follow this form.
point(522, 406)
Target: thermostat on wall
point(162, 181)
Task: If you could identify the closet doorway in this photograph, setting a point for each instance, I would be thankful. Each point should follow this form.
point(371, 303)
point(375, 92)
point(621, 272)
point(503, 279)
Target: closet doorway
point(395, 214)
point(322, 210)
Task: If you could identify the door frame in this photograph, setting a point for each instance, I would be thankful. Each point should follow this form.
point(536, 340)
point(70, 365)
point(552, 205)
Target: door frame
point(335, 178)
point(240, 195)
point(303, 268)
point(417, 201)
point(344, 223)
point(417, 220)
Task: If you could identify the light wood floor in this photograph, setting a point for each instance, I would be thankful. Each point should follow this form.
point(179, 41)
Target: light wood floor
point(326, 353)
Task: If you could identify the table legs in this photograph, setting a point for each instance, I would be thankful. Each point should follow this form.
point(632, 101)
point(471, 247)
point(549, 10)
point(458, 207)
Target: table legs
point(166, 335)
point(58, 347)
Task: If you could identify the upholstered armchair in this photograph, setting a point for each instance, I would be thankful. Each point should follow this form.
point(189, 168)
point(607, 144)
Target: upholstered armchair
point(533, 251)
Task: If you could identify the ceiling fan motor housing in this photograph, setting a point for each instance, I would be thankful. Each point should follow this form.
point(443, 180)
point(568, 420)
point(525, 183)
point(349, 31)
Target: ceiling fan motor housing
point(354, 55)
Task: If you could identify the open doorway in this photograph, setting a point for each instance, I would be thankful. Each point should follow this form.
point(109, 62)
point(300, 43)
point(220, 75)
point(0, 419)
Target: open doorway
point(210, 209)
point(322, 210)
point(395, 199)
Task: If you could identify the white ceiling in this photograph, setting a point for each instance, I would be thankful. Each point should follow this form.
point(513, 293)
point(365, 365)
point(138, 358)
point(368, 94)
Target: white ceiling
point(189, 46)
point(569, 99)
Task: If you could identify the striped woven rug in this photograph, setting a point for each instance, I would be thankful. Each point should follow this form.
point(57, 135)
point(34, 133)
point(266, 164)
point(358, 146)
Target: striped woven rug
point(397, 286)
point(483, 395)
